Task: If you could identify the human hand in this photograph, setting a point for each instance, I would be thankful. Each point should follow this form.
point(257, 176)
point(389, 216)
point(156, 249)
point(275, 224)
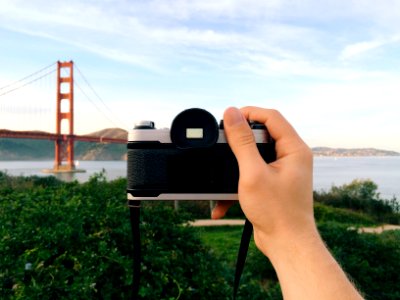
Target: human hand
point(277, 198)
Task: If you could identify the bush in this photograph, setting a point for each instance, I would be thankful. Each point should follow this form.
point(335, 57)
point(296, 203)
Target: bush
point(73, 241)
point(361, 196)
point(324, 213)
point(176, 262)
point(372, 260)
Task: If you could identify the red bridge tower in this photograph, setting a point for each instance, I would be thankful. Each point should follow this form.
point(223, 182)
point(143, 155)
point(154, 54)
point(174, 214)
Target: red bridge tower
point(64, 145)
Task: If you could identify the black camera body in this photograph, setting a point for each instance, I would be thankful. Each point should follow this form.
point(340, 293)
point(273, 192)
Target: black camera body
point(190, 161)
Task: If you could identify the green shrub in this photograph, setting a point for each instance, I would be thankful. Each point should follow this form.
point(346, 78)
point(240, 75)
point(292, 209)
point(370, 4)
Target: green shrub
point(371, 260)
point(361, 196)
point(176, 262)
point(324, 213)
point(75, 240)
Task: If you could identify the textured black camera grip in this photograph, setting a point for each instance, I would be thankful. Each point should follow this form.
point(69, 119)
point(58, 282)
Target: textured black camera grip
point(147, 168)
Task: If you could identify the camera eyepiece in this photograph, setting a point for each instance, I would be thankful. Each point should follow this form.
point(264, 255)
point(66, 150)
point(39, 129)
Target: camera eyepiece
point(194, 128)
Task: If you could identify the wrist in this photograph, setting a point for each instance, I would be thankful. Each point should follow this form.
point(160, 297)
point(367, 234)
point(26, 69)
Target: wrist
point(288, 241)
point(305, 267)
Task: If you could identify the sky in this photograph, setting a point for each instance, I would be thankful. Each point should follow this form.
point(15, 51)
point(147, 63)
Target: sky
point(331, 67)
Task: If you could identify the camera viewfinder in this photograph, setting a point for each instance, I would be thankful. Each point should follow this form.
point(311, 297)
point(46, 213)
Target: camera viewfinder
point(194, 133)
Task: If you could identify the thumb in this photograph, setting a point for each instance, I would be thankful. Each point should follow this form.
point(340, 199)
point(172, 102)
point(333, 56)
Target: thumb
point(241, 138)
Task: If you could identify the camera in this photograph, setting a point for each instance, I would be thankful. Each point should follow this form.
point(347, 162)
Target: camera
point(190, 161)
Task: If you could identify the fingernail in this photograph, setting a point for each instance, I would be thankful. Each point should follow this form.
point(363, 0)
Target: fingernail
point(233, 116)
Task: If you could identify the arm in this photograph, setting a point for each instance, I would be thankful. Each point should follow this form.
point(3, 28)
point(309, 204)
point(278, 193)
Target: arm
point(277, 198)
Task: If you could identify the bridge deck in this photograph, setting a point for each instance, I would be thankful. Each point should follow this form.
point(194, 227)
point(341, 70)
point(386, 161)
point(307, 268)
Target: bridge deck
point(5, 133)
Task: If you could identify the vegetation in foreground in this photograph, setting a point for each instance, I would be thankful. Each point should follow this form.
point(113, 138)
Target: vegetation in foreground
point(73, 241)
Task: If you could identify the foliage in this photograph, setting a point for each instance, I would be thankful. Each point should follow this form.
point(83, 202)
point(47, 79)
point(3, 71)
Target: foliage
point(371, 260)
point(176, 262)
point(75, 242)
point(324, 213)
point(361, 196)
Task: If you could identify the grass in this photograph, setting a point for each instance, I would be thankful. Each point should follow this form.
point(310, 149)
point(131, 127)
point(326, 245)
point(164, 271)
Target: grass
point(258, 278)
point(224, 241)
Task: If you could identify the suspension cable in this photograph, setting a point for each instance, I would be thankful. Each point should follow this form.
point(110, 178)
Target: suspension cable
point(101, 100)
point(26, 83)
point(26, 77)
point(94, 103)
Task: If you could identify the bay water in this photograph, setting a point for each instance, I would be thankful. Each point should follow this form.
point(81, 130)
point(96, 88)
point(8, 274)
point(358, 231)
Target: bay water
point(328, 171)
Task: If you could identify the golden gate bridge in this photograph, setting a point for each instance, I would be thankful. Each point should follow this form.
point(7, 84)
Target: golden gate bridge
point(64, 135)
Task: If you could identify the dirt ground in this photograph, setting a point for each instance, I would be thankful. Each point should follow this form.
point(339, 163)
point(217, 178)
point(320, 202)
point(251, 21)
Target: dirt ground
point(233, 222)
point(221, 222)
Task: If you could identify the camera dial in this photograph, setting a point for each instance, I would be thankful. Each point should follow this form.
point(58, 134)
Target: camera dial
point(144, 125)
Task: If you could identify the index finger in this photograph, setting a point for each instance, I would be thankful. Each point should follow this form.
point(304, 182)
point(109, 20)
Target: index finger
point(286, 138)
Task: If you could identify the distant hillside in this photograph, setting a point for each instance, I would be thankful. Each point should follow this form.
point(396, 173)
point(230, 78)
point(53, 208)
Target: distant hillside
point(97, 151)
point(116, 133)
point(325, 151)
point(27, 149)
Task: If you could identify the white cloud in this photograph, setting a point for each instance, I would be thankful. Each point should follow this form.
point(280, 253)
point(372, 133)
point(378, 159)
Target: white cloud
point(357, 49)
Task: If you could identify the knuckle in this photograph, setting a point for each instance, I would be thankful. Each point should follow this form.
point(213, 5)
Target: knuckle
point(302, 150)
point(307, 152)
point(246, 139)
point(275, 113)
